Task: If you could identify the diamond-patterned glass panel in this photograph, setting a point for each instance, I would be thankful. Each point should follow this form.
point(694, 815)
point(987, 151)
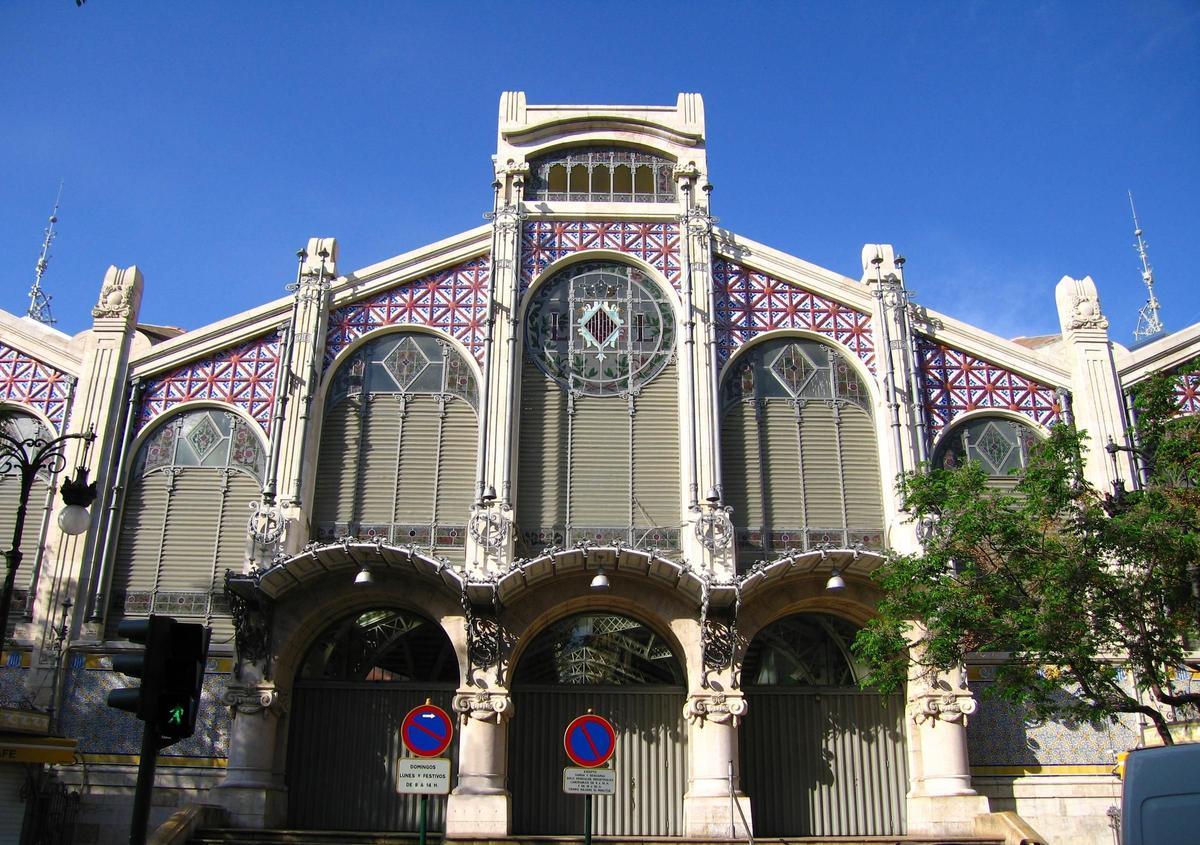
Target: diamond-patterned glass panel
point(204, 437)
point(793, 368)
point(405, 363)
point(994, 448)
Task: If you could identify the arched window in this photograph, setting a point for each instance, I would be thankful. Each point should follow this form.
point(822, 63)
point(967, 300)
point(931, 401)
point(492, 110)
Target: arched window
point(21, 427)
point(1000, 445)
point(185, 515)
point(598, 649)
point(397, 454)
point(601, 174)
point(805, 650)
point(381, 645)
point(599, 435)
point(798, 452)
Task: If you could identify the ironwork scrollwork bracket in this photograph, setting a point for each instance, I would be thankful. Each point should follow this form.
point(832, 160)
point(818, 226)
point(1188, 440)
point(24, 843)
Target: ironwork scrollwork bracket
point(252, 618)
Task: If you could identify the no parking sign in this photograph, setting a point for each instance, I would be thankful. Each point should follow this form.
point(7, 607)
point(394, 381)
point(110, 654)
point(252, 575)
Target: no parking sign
point(427, 730)
point(590, 741)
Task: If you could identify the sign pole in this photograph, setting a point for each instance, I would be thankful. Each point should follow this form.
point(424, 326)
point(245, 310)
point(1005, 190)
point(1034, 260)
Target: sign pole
point(145, 784)
point(587, 820)
point(421, 822)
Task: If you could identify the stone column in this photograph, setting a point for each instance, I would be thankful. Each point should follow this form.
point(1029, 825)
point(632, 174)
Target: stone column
point(941, 800)
point(712, 749)
point(480, 805)
point(1095, 386)
point(253, 792)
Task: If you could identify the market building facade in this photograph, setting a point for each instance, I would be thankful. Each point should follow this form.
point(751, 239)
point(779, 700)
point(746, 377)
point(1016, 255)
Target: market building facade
point(600, 453)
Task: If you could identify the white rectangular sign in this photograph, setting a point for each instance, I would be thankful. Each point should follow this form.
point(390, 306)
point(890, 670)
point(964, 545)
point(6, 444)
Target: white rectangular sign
point(423, 775)
point(589, 781)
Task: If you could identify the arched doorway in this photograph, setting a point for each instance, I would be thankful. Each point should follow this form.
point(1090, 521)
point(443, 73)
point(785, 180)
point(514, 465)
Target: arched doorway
point(620, 669)
point(356, 683)
point(820, 756)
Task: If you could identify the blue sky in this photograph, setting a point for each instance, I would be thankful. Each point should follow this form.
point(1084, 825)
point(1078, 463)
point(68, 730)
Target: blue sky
point(992, 143)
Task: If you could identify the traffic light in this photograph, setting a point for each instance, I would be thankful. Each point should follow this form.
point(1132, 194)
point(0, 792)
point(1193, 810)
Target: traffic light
point(179, 691)
point(148, 665)
point(172, 670)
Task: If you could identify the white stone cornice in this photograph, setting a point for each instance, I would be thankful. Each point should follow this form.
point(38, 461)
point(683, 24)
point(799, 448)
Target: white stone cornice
point(1174, 349)
point(411, 265)
point(992, 348)
point(48, 345)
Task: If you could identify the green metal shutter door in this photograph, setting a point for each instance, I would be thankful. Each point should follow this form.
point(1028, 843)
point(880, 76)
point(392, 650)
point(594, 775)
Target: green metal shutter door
point(600, 456)
point(742, 473)
point(822, 479)
point(860, 462)
point(784, 487)
point(456, 473)
point(542, 468)
point(337, 464)
point(380, 455)
point(231, 546)
point(656, 453)
point(140, 541)
point(418, 461)
point(192, 533)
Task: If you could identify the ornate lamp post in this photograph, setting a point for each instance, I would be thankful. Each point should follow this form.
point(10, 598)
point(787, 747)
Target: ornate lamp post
point(29, 456)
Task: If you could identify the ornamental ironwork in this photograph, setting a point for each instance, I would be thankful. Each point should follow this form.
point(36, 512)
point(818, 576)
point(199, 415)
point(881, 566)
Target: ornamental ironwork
point(601, 174)
point(600, 328)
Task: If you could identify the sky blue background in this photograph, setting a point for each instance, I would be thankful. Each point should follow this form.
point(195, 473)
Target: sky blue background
point(992, 143)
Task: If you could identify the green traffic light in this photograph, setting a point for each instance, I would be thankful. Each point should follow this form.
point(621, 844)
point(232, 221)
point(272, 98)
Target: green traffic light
point(175, 716)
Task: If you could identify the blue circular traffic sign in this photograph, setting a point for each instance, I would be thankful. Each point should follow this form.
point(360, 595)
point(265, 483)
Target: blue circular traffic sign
point(590, 741)
point(427, 730)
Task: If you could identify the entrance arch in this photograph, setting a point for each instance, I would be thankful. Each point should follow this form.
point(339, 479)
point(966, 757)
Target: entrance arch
point(355, 684)
point(820, 756)
point(623, 670)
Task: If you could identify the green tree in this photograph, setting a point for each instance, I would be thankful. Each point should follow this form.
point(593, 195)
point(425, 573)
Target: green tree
point(1073, 584)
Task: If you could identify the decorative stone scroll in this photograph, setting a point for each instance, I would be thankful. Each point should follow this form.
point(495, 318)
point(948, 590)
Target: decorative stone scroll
point(251, 699)
point(946, 705)
point(484, 706)
point(716, 707)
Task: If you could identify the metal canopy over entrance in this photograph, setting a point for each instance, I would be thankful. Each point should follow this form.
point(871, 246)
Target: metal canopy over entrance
point(624, 671)
point(357, 681)
point(820, 757)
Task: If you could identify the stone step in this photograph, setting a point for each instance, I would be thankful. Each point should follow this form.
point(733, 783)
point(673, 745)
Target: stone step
point(233, 836)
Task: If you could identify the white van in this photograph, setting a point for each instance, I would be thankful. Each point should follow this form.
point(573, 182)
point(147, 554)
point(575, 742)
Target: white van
point(1160, 803)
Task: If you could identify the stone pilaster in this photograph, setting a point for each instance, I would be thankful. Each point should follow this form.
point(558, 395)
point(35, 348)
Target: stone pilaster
point(490, 540)
point(1095, 386)
point(97, 406)
point(283, 524)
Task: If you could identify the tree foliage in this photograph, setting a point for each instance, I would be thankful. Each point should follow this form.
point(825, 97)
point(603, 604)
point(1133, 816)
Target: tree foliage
point(1073, 584)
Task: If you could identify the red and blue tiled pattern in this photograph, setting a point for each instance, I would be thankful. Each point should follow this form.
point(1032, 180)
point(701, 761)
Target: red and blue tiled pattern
point(453, 300)
point(243, 376)
point(1187, 392)
point(545, 241)
point(750, 303)
point(955, 382)
point(27, 381)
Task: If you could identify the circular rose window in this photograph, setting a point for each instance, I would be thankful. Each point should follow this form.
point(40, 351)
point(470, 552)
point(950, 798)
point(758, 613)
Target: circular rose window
point(600, 328)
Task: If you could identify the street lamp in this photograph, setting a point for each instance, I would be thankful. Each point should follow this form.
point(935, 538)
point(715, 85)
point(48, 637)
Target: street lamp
point(29, 456)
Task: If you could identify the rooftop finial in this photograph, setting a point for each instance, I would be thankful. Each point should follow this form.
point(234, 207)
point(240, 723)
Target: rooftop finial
point(1149, 324)
point(39, 300)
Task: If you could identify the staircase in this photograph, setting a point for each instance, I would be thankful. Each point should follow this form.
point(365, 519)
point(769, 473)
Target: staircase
point(232, 836)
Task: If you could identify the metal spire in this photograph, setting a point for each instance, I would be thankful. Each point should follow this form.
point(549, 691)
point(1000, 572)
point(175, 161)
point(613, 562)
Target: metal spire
point(1149, 324)
point(39, 300)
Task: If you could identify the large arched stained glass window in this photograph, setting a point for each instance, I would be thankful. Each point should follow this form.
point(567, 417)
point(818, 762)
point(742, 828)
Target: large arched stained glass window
point(398, 444)
point(599, 436)
point(798, 451)
point(185, 517)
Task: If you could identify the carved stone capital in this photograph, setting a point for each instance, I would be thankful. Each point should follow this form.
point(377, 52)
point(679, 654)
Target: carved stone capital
point(120, 294)
point(716, 707)
point(484, 706)
point(944, 705)
point(250, 699)
point(1085, 313)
